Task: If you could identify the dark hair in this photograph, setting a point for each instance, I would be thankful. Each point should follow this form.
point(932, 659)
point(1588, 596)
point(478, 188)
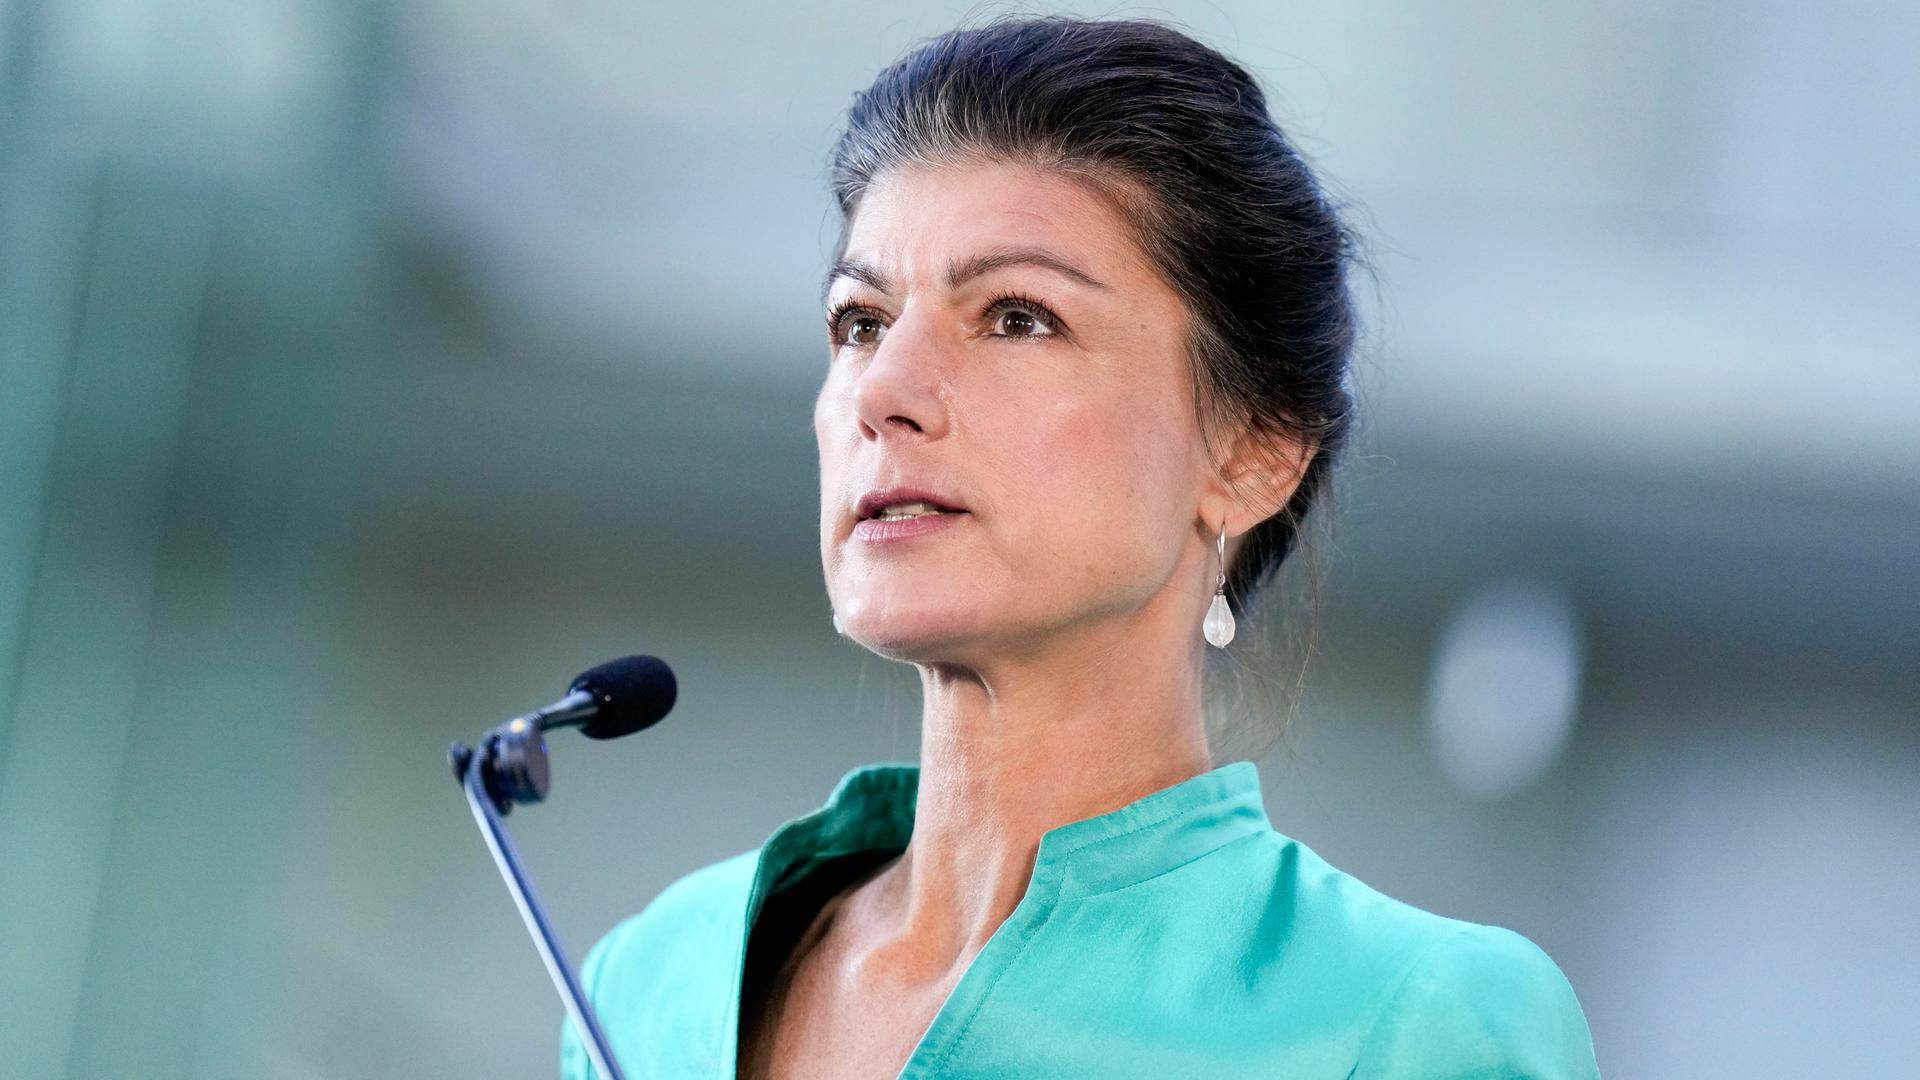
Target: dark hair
point(1179, 138)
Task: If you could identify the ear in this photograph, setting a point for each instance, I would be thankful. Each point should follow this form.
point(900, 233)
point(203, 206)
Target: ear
point(1261, 473)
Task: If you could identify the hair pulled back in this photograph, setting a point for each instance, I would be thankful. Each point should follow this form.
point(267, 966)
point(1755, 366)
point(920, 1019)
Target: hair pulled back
point(1178, 137)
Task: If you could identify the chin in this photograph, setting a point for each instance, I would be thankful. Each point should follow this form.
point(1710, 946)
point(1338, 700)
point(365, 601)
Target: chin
point(920, 634)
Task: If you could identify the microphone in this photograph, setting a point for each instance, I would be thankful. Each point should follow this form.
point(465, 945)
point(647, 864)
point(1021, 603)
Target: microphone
point(616, 698)
point(509, 766)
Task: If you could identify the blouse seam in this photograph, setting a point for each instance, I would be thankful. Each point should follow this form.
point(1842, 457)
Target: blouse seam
point(1181, 865)
point(986, 994)
point(1053, 904)
point(1142, 827)
point(1393, 995)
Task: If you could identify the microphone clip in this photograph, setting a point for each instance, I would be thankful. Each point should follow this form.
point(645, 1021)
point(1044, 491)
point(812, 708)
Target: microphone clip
point(511, 761)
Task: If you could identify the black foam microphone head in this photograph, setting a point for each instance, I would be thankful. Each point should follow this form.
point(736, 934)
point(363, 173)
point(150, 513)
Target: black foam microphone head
point(634, 692)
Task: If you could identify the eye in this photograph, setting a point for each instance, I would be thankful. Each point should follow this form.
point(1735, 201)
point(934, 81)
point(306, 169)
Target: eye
point(1012, 315)
point(849, 323)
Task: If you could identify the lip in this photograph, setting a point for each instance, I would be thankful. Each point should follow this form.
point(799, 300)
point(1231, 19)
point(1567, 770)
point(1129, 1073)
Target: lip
point(875, 531)
point(877, 499)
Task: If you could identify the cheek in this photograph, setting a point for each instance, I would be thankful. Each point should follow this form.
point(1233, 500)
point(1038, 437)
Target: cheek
point(1103, 483)
point(1125, 447)
point(830, 440)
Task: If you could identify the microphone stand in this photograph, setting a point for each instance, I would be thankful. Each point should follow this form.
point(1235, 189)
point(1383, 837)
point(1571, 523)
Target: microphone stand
point(492, 785)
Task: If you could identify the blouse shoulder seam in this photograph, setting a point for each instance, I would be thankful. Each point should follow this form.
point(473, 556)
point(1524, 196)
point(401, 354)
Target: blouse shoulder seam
point(1392, 997)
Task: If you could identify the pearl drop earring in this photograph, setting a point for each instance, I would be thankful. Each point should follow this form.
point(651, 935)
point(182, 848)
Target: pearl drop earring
point(1218, 626)
point(836, 625)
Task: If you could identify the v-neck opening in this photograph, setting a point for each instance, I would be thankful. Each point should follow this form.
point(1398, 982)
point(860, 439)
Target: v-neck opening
point(956, 1011)
point(872, 810)
point(792, 908)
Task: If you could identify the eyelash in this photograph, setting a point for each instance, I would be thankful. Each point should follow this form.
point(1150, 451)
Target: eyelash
point(1040, 312)
point(837, 313)
point(996, 305)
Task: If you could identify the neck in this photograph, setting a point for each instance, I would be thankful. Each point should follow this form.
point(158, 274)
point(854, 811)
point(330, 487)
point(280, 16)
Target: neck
point(1010, 751)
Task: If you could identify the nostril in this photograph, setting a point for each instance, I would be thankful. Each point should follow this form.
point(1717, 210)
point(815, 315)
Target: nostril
point(903, 420)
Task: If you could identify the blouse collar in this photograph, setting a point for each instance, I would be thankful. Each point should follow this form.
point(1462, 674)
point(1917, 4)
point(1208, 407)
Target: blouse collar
point(873, 805)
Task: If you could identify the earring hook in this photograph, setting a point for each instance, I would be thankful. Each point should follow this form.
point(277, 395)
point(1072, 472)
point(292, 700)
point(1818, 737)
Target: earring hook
point(1217, 627)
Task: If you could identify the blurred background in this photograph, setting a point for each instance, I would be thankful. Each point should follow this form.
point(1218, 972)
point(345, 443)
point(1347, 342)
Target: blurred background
point(368, 369)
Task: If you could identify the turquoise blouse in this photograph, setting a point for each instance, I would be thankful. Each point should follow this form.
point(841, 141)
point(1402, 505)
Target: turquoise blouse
point(1178, 936)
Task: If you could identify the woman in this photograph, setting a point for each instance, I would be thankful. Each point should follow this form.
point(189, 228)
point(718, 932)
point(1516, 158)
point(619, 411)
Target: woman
point(1089, 339)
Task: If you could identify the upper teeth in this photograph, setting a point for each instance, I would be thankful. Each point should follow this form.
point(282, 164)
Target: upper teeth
point(907, 510)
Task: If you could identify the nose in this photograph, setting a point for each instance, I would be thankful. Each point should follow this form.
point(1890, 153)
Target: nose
point(897, 394)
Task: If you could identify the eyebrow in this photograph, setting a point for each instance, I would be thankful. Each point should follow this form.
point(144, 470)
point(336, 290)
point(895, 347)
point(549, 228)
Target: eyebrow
point(963, 270)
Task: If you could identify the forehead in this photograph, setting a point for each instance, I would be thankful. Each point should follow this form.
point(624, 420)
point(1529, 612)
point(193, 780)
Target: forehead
point(916, 221)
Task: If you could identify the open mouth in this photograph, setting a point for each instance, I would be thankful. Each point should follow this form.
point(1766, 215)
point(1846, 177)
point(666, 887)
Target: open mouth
point(907, 511)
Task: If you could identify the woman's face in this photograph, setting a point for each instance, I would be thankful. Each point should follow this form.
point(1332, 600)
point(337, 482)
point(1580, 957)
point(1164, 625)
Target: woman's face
point(1006, 348)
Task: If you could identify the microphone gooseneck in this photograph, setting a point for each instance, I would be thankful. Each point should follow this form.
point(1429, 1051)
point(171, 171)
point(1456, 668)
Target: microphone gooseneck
point(509, 767)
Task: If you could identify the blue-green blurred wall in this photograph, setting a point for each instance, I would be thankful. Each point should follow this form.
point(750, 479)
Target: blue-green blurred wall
point(368, 369)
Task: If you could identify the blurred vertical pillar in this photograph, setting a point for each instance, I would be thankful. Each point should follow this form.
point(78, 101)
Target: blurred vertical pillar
point(189, 302)
point(44, 237)
point(102, 409)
